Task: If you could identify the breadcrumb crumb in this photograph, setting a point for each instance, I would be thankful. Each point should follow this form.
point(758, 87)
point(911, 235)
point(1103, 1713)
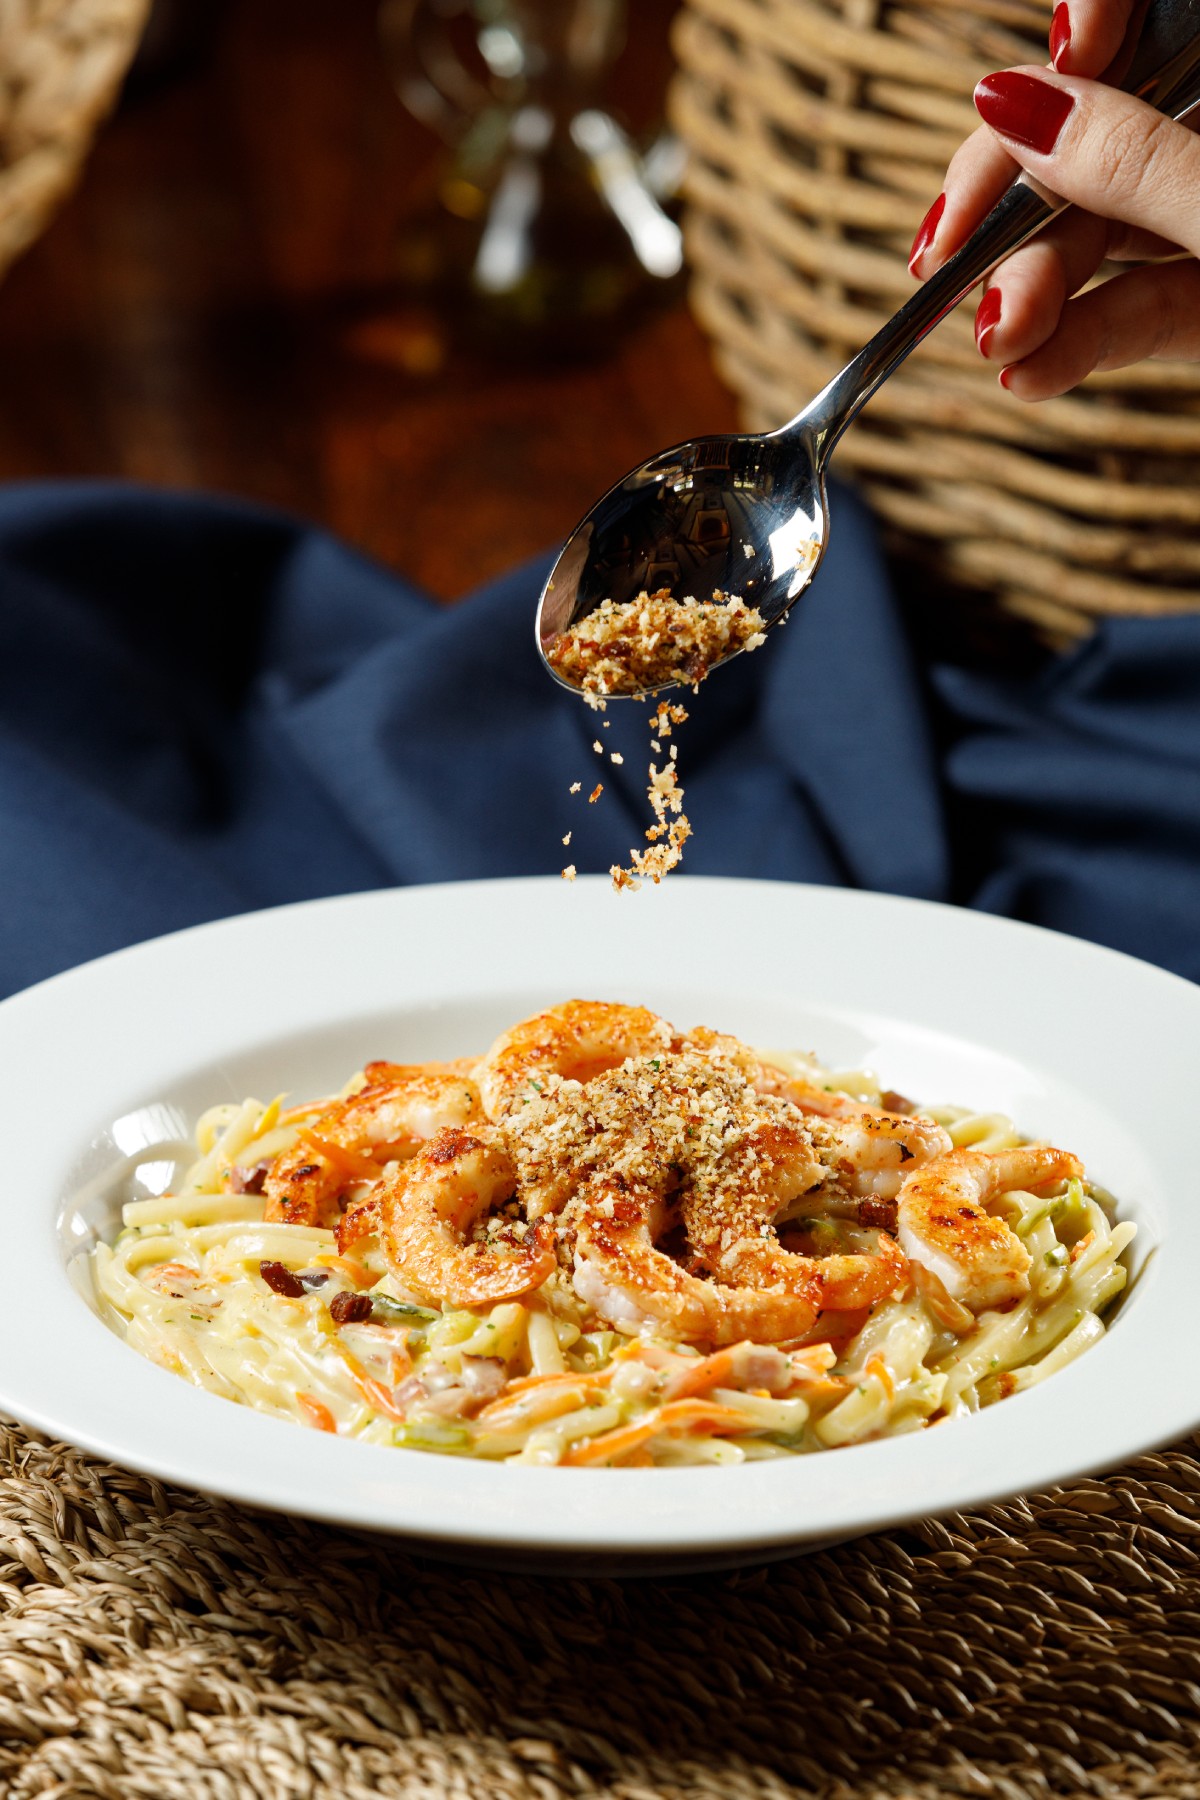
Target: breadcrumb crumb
point(567, 839)
point(575, 787)
point(568, 873)
point(595, 793)
point(646, 643)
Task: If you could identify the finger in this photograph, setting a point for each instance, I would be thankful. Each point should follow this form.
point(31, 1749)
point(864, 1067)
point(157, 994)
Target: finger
point(978, 174)
point(1024, 298)
point(1085, 35)
point(1026, 294)
point(1100, 148)
point(1143, 314)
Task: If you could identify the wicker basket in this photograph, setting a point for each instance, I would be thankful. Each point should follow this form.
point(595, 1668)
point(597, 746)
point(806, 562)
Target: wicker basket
point(61, 65)
point(820, 132)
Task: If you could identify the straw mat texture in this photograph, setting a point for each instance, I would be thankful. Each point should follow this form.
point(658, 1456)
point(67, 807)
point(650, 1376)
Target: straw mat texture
point(156, 1645)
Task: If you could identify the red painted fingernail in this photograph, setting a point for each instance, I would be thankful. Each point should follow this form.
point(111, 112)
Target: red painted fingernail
point(926, 232)
point(1005, 377)
point(1060, 33)
point(1024, 107)
point(987, 319)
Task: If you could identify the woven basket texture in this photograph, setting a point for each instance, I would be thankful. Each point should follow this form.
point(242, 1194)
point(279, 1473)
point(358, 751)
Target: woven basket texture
point(158, 1645)
point(820, 132)
point(61, 65)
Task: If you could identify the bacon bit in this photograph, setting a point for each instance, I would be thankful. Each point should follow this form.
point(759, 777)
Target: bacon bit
point(877, 1367)
point(281, 1280)
point(248, 1181)
point(349, 1309)
point(1077, 1250)
point(595, 793)
point(892, 1102)
point(879, 1215)
point(676, 1415)
point(316, 1413)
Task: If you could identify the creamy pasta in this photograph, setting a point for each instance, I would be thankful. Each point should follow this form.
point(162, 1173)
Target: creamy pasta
point(512, 1258)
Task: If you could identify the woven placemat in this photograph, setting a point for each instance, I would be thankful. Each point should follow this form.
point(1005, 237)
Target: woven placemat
point(159, 1644)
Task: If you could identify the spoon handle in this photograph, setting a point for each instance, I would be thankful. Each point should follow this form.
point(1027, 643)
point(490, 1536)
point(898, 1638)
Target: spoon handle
point(1161, 62)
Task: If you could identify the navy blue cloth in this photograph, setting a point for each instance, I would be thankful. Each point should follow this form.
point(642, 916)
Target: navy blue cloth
point(206, 708)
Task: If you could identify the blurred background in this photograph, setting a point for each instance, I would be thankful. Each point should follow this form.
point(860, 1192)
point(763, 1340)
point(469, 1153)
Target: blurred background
point(414, 270)
point(262, 282)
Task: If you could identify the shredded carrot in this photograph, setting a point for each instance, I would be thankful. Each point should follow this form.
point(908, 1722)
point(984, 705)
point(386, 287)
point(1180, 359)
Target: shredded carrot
point(877, 1367)
point(401, 1364)
point(360, 1276)
point(346, 1162)
point(316, 1413)
point(833, 1387)
point(521, 1384)
point(376, 1395)
point(532, 1408)
point(675, 1415)
point(1077, 1250)
point(813, 1361)
point(700, 1377)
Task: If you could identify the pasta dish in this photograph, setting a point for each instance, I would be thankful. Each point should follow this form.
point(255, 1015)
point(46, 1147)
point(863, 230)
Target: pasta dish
point(608, 1243)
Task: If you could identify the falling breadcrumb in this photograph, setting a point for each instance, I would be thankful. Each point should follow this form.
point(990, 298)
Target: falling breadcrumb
point(567, 839)
point(643, 644)
point(568, 873)
point(575, 787)
point(595, 793)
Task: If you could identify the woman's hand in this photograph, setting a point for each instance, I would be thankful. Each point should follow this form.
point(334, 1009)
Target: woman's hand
point(1134, 177)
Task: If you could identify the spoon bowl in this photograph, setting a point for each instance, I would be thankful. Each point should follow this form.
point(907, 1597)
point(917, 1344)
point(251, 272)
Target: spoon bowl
point(737, 515)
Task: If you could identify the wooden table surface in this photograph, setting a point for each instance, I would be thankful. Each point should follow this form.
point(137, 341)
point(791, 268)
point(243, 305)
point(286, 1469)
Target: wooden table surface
point(215, 308)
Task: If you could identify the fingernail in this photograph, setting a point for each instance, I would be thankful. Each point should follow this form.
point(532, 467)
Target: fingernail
point(1005, 377)
point(1060, 33)
point(926, 233)
point(987, 319)
point(1024, 107)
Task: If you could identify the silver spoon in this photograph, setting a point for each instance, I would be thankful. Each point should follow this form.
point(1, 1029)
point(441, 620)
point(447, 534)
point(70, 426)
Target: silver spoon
point(748, 515)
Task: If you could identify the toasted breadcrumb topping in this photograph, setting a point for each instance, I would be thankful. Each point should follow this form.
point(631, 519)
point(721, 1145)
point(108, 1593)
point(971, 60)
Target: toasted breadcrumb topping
point(645, 643)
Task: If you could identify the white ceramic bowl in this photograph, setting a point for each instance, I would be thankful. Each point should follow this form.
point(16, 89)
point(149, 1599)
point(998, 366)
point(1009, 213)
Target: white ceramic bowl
point(1097, 1052)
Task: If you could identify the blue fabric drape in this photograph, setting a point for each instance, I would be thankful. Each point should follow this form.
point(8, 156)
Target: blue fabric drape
point(206, 708)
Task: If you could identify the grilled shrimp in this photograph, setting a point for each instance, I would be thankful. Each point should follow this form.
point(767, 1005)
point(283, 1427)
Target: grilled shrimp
point(427, 1209)
point(620, 1273)
point(575, 1041)
point(943, 1227)
point(387, 1120)
point(867, 1152)
point(870, 1144)
point(731, 1203)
